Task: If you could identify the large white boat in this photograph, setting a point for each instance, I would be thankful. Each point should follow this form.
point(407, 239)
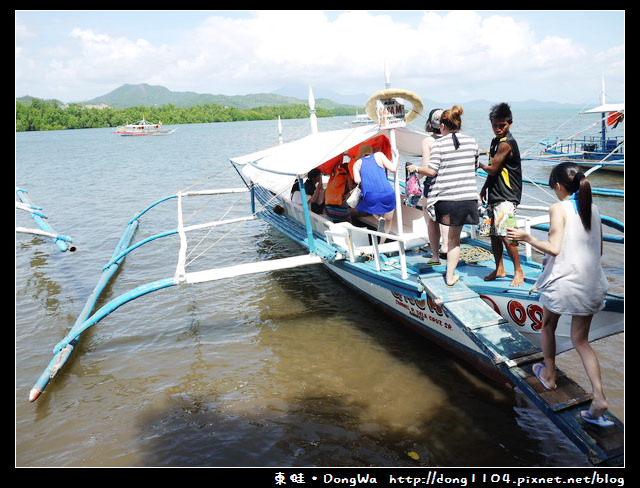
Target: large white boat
point(490, 324)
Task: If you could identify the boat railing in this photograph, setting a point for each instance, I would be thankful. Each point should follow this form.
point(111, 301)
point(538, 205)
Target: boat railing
point(359, 241)
point(587, 145)
point(541, 222)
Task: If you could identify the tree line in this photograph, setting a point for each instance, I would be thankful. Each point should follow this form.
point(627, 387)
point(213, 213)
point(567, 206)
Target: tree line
point(37, 114)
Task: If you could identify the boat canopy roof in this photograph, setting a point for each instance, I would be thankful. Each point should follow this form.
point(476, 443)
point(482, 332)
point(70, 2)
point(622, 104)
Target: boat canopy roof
point(607, 107)
point(277, 168)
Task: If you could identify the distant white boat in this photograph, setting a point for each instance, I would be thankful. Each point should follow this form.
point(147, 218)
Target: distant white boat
point(361, 119)
point(143, 128)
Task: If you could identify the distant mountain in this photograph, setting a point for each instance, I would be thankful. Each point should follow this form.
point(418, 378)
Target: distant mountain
point(485, 105)
point(148, 95)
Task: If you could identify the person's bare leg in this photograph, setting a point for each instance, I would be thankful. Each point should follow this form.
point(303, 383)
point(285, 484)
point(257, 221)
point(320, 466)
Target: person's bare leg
point(434, 238)
point(548, 342)
point(580, 326)
point(453, 253)
point(497, 248)
point(387, 224)
point(444, 232)
point(518, 274)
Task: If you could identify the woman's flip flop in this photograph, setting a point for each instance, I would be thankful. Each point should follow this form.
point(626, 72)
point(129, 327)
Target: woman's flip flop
point(536, 370)
point(601, 421)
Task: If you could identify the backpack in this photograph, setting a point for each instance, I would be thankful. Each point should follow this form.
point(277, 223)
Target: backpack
point(337, 187)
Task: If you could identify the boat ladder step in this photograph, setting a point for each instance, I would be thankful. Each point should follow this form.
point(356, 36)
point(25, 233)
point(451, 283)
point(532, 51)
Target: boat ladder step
point(482, 323)
point(440, 292)
point(567, 393)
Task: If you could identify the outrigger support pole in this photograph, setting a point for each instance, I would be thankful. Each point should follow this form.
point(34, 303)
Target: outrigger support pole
point(61, 354)
point(61, 241)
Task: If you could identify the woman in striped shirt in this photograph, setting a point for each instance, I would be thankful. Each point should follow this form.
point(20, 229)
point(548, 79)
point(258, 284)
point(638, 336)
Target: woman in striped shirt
point(453, 197)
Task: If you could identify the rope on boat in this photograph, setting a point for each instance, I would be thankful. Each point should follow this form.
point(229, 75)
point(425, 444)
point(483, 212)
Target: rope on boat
point(468, 253)
point(474, 254)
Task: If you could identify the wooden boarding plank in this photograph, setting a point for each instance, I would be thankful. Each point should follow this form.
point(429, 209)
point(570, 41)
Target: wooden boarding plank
point(504, 341)
point(566, 394)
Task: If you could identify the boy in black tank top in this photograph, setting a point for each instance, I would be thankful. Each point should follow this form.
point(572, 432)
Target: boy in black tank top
point(502, 190)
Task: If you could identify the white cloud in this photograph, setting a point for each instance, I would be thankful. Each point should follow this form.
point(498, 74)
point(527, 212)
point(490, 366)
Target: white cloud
point(439, 55)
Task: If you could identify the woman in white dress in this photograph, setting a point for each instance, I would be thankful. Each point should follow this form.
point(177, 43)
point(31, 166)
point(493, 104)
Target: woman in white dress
point(572, 282)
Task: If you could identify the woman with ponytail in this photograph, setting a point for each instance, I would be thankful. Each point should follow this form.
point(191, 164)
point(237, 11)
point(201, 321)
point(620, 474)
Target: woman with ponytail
point(572, 282)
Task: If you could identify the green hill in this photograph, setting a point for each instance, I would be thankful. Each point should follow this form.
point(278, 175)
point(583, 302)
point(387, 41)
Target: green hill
point(148, 95)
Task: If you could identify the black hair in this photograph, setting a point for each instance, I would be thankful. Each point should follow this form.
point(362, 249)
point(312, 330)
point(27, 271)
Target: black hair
point(501, 111)
point(571, 177)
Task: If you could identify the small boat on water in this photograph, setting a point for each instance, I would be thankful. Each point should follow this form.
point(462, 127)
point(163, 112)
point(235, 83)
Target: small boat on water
point(143, 128)
point(360, 119)
point(600, 151)
point(490, 324)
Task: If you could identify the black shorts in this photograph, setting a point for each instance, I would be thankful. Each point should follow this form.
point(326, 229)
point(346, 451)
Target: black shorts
point(457, 213)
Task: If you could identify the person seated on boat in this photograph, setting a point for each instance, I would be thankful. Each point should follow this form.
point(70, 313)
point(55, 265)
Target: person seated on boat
point(572, 281)
point(314, 190)
point(378, 195)
point(502, 190)
point(335, 195)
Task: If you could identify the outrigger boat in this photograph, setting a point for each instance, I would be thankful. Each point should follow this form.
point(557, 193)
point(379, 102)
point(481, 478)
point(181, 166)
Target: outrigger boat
point(602, 151)
point(490, 324)
point(143, 128)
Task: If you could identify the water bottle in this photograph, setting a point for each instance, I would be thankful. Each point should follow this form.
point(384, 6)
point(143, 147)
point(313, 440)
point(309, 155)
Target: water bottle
point(512, 224)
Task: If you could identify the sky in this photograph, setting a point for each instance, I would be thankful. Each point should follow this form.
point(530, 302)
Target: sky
point(457, 56)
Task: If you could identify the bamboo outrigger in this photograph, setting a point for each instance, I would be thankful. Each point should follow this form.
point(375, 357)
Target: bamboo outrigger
point(44, 229)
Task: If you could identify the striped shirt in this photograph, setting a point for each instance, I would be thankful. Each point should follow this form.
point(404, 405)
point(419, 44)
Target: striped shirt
point(456, 178)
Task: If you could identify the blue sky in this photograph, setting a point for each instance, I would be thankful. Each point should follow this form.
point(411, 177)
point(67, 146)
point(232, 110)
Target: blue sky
point(453, 56)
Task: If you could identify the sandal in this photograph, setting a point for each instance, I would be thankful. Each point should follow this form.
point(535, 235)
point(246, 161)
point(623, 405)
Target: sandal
point(455, 280)
point(601, 421)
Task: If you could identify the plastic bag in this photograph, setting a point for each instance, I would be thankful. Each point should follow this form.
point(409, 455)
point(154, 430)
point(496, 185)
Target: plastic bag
point(354, 197)
point(413, 190)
